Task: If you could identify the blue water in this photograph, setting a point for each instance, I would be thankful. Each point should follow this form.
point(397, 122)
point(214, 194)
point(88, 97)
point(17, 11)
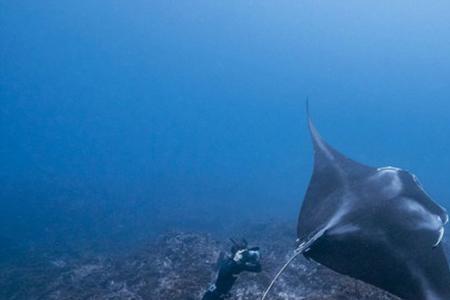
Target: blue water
point(122, 119)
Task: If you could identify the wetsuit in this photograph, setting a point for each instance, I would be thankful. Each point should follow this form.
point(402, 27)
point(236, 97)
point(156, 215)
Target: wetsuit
point(229, 269)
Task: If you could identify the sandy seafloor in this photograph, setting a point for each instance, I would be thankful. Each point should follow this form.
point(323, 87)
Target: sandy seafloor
point(176, 265)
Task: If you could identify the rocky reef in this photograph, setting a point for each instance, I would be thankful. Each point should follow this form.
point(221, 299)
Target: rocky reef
point(178, 266)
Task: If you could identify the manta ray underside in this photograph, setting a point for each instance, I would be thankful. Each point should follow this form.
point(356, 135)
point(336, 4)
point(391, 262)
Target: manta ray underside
point(377, 225)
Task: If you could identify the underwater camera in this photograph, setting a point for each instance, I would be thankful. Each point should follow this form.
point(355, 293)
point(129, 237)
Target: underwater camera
point(252, 255)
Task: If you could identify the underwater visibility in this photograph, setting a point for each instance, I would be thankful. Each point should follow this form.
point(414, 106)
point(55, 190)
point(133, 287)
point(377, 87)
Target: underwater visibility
point(155, 150)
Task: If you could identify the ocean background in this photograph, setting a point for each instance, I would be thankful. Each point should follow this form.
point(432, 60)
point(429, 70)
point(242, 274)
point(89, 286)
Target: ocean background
point(121, 120)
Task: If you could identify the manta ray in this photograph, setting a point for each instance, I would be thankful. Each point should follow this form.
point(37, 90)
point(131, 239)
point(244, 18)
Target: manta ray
point(377, 225)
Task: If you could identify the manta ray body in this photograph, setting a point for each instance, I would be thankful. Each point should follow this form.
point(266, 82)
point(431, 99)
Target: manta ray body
point(377, 225)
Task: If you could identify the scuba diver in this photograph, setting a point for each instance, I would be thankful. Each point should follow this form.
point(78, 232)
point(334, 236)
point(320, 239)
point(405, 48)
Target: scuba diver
point(241, 259)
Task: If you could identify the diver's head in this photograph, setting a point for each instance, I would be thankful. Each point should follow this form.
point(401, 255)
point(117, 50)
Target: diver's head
point(246, 255)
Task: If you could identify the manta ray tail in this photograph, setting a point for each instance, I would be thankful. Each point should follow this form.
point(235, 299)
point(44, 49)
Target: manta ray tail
point(266, 292)
point(302, 247)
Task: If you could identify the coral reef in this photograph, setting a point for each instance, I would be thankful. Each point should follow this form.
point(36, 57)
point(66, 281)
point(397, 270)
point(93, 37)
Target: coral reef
point(179, 266)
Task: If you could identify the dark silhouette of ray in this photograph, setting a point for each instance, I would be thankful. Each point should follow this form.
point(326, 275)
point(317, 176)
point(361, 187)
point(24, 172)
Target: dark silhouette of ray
point(375, 224)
